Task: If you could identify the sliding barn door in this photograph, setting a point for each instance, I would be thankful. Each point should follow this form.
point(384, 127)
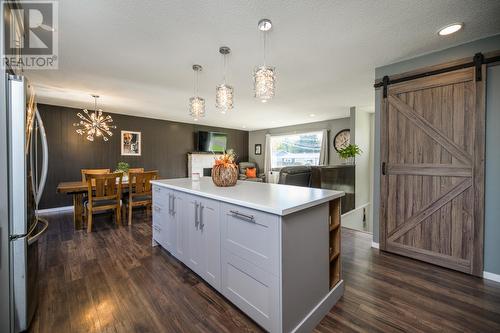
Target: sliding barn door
point(432, 183)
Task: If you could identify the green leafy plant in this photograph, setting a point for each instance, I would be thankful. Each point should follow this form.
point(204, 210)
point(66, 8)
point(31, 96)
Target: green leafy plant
point(123, 167)
point(350, 151)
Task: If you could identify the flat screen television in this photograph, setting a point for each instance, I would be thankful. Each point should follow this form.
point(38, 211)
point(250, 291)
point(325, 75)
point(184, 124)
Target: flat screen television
point(212, 141)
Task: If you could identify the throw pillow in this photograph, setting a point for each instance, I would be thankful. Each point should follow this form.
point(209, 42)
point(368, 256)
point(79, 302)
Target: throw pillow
point(251, 173)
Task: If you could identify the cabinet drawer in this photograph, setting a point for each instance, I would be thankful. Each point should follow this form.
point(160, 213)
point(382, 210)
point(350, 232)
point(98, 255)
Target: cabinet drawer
point(252, 289)
point(159, 224)
point(252, 235)
point(157, 235)
point(160, 196)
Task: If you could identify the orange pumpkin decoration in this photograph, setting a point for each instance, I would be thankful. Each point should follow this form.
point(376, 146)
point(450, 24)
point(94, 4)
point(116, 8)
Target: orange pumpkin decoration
point(225, 170)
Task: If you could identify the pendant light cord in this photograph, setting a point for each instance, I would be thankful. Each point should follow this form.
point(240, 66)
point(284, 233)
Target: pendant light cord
point(265, 46)
point(224, 65)
point(195, 88)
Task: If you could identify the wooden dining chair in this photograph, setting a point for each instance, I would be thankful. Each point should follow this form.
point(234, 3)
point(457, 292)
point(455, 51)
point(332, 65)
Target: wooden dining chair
point(86, 172)
point(135, 170)
point(104, 193)
point(140, 191)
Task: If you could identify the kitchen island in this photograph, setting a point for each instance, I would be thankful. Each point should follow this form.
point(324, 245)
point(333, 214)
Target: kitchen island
point(272, 250)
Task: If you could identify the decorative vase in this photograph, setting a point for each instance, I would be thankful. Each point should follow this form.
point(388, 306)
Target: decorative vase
point(225, 175)
point(349, 161)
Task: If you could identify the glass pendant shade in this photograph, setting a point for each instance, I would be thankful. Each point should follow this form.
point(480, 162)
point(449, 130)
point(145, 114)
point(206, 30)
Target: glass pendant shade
point(264, 76)
point(196, 103)
point(224, 93)
point(197, 107)
point(94, 124)
point(264, 82)
point(224, 98)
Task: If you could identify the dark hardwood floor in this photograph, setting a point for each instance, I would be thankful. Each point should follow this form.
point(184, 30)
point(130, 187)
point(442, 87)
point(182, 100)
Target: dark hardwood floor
point(112, 280)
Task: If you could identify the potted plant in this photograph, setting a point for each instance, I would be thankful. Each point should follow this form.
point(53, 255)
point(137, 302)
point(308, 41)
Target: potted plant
point(225, 170)
point(349, 153)
point(122, 167)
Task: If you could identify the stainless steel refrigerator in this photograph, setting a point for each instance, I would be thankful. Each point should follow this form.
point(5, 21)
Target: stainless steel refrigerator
point(27, 172)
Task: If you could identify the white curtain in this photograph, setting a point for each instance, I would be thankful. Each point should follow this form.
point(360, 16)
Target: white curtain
point(323, 153)
point(267, 156)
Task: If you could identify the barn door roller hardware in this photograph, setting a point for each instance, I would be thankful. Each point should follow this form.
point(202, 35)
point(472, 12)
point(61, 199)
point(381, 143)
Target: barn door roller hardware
point(477, 61)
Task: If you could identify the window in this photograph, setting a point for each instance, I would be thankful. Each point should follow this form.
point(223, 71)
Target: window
point(295, 149)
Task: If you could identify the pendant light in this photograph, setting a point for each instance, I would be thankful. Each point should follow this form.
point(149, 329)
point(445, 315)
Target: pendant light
point(196, 103)
point(264, 76)
point(224, 92)
point(94, 124)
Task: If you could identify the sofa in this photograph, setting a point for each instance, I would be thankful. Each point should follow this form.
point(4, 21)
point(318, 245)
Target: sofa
point(333, 177)
point(261, 177)
point(295, 175)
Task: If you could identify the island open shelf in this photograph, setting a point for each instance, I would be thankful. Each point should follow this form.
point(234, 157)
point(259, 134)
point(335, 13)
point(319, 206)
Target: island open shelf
point(334, 242)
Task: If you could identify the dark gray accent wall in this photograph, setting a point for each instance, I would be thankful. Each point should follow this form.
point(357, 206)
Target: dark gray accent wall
point(165, 145)
point(492, 190)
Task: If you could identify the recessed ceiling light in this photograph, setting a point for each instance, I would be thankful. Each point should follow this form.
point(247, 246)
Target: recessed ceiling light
point(450, 28)
point(312, 115)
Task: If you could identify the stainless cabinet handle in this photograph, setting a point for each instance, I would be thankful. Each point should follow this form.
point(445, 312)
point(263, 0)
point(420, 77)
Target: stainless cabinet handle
point(201, 216)
point(242, 216)
point(157, 189)
point(173, 204)
point(170, 203)
point(196, 214)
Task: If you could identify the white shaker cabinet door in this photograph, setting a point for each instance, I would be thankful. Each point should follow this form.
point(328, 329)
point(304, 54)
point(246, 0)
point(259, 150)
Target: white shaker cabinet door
point(179, 220)
point(170, 234)
point(252, 289)
point(251, 235)
point(194, 252)
point(209, 212)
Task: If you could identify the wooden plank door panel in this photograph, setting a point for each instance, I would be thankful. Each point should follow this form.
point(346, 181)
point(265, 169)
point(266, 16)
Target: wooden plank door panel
point(432, 190)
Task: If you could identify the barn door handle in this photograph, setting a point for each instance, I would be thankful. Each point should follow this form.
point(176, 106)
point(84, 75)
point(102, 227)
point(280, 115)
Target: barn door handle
point(384, 171)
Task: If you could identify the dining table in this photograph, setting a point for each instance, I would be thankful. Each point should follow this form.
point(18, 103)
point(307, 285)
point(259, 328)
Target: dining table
point(78, 189)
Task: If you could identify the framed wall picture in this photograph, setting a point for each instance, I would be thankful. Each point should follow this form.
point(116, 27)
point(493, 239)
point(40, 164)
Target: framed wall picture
point(258, 149)
point(130, 143)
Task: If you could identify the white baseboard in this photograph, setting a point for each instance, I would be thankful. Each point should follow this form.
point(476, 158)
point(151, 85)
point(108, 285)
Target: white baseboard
point(375, 245)
point(313, 318)
point(55, 210)
point(491, 276)
point(355, 210)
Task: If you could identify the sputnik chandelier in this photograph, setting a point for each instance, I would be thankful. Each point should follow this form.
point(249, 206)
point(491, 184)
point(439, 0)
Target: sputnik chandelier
point(94, 124)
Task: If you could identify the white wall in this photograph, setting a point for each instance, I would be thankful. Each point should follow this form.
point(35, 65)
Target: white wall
point(362, 135)
point(362, 125)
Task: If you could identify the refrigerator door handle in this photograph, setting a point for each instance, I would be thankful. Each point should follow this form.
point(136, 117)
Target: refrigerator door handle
point(45, 158)
point(35, 237)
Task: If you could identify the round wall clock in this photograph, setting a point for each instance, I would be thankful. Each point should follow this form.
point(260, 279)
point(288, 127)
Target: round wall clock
point(342, 139)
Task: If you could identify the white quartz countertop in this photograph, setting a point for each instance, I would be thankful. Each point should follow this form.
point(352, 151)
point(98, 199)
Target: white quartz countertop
point(272, 198)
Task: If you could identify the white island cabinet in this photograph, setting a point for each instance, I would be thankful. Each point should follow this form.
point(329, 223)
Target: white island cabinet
point(272, 250)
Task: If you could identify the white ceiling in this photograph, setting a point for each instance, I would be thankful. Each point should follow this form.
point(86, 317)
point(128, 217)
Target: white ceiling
point(138, 54)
